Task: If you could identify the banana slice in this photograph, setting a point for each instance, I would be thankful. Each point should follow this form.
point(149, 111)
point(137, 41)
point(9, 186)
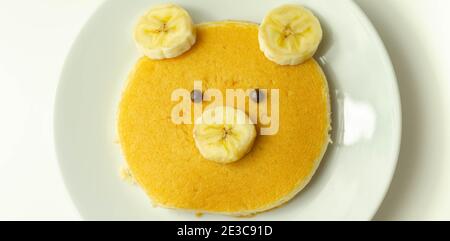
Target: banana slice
point(224, 134)
point(290, 35)
point(165, 31)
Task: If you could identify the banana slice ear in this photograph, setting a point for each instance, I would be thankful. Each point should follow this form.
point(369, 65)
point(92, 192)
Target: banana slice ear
point(290, 35)
point(165, 31)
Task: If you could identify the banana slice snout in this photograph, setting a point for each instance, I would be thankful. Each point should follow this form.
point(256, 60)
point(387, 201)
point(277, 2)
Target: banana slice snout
point(224, 134)
point(165, 31)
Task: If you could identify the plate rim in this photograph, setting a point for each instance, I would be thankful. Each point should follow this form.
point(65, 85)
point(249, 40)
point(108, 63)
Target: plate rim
point(397, 99)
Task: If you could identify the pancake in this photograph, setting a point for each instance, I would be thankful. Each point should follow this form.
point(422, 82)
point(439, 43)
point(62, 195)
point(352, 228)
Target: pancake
point(163, 156)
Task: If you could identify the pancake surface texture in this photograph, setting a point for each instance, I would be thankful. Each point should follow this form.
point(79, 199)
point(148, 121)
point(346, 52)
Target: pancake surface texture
point(163, 157)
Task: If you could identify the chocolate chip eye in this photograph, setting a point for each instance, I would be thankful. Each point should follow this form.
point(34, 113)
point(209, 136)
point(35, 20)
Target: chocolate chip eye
point(196, 96)
point(257, 95)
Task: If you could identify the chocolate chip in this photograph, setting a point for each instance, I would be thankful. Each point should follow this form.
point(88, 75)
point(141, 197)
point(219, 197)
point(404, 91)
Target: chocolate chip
point(257, 95)
point(196, 96)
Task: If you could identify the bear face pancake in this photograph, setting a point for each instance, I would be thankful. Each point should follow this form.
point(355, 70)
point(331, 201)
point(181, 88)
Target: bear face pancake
point(163, 156)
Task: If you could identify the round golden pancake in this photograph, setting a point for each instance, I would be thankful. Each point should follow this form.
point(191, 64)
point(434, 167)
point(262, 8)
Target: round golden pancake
point(163, 156)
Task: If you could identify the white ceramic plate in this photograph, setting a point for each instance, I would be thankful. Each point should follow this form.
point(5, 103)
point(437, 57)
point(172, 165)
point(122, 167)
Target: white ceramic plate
point(355, 174)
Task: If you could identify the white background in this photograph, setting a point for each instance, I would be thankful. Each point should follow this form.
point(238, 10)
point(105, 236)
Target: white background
point(35, 37)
